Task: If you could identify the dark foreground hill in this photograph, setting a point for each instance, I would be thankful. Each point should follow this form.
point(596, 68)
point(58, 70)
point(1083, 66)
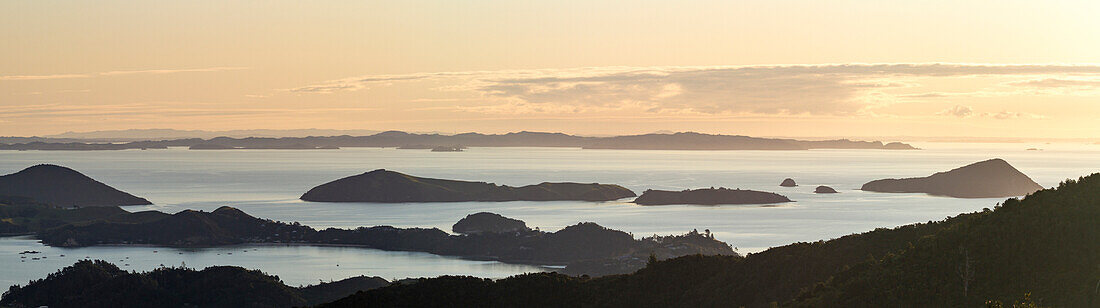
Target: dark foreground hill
point(709, 196)
point(993, 178)
point(1043, 245)
point(388, 186)
point(57, 185)
point(101, 284)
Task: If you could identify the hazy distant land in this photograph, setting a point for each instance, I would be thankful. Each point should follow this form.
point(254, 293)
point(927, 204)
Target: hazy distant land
point(673, 141)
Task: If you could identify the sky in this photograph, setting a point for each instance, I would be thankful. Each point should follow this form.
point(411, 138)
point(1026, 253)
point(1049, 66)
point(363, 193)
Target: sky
point(763, 68)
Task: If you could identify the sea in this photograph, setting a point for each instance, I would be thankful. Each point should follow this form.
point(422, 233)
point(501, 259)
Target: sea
point(268, 183)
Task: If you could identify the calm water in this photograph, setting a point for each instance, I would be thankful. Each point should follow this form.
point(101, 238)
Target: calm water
point(267, 183)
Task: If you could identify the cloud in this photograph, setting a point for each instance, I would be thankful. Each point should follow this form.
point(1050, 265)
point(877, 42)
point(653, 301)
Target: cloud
point(118, 73)
point(830, 89)
point(327, 88)
point(43, 77)
point(961, 111)
point(1005, 115)
point(1057, 83)
point(172, 71)
point(958, 111)
point(355, 84)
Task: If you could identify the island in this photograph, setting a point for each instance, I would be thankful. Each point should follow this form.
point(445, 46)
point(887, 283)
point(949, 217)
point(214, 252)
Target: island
point(386, 186)
point(448, 149)
point(293, 146)
point(824, 190)
point(403, 140)
point(926, 265)
point(709, 196)
point(1039, 251)
point(61, 186)
point(992, 178)
point(788, 182)
point(485, 222)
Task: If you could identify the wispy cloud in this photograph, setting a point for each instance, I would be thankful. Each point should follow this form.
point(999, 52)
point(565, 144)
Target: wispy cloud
point(1047, 83)
point(832, 89)
point(43, 77)
point(173, 71)
point(118, 73)
point(958, 111)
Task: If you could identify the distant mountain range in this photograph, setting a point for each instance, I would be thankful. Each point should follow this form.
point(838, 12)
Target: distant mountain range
point(675, 141)
point(164, 133)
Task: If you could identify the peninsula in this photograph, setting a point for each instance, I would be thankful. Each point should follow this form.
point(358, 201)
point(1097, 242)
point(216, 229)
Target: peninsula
point(588, 247)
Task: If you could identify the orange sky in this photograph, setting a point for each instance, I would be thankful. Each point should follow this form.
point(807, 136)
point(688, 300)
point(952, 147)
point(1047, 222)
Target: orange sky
point(772, 68)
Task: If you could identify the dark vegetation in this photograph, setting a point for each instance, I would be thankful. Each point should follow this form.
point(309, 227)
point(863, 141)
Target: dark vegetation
point(1042, 249)
point(677, 141)
point(62, 186)
point(993, 178)
point(709, 196)
point(388, 186)
point(824, 190)
point(100, 284)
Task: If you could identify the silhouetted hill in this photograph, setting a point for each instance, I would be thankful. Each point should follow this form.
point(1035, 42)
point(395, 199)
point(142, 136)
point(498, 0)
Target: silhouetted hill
point(709, 196)
point(824, 190)
point(676, 141)
point(388, 186)
point(1044, 245)
point(330, 291)
point(101, 284)
point(62, 186)
point(187, 228)
point(488, 222)
point(986, 179)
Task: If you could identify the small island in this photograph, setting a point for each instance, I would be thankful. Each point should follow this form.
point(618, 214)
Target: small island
point(824, 190)
point(486, 222)
point(448, 149)
point(393, 187)
point(993, 178)
point(709, 196)
point(61, 186)
point(788, 182)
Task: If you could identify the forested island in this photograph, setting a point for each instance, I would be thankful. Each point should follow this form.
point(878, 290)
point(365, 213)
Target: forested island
point(388, 186)
point(993, 178)
point(397, 139)
point(709, 196)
